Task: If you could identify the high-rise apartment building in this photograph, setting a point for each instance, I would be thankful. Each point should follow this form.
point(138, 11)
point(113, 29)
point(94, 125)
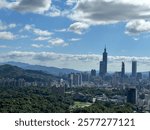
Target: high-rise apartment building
point(75, 79)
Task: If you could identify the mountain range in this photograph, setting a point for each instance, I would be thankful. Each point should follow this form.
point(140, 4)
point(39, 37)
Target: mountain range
point(49, 70)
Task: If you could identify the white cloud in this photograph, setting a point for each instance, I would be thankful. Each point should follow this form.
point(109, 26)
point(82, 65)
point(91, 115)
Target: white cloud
point(102, 12)
point(52, 59)
point(4, 26)
point(110, 11)
point(12, 25)
point(7, 36)
point(45, 35)
point(61, 30)
point(28, 27)
point(34, 6)
point(37, 45)
point(42, 38)
point(86, 13)
point(3, 46)
point(37, 31)
point(71, 2)
point(135, 38)
point(75, 39)
point(23, 36)
point(78, 27)
point(135, 27)
point(57, 42)
point(54, 12)
point(42, 32)
point(3, 4)
point(76, 61)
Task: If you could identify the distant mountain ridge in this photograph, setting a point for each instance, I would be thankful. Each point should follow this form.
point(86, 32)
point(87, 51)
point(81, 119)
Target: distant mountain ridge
point(9, 71)
point(49, 70)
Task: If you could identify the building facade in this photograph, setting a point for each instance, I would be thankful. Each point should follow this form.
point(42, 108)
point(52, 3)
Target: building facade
point(93, 72)
point(123, 70)
point(75, 79)
point(132, 95)
point(134, 69)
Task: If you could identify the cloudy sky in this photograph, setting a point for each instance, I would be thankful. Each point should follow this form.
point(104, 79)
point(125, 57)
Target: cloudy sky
point(73, 33)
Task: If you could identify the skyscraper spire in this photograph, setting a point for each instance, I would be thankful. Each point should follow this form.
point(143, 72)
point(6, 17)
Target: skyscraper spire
point(105, 48)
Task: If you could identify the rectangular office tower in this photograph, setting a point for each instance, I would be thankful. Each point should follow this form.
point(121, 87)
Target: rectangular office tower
point(134, 68)
point(132, 95)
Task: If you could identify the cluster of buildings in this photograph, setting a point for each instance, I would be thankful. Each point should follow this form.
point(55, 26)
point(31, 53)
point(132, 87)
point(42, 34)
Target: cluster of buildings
point(79, 79)
point(9, 82)
point(133, 83)
point(57, 87)
point(75, 79)
point(103, 67)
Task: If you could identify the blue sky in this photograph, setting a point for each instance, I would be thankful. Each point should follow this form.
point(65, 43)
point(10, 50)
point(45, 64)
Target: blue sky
point(73, 34)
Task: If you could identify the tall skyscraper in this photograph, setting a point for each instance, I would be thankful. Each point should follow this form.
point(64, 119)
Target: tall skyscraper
point(103, 64)
point(134, 68)
point(123, 70)
point(101, 68)
point(105, 60)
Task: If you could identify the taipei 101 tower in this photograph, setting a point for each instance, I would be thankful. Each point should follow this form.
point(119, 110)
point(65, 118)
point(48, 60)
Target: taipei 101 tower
point(103, 64)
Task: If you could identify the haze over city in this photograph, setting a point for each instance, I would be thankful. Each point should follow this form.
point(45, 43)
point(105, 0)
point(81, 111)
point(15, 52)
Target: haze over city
point(73, 33)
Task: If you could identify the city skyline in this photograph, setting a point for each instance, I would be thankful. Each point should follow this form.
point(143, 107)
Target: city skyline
point(73, 33)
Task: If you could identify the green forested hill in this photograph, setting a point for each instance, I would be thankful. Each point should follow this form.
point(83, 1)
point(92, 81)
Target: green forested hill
point(32, 99)
point(8, 71)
